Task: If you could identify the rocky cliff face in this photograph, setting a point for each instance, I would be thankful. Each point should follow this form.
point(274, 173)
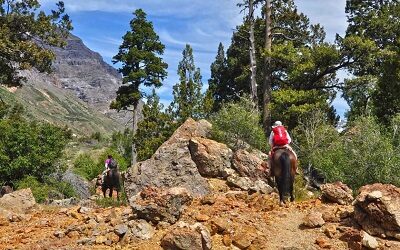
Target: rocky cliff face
point(85, 74)
point(77, 93)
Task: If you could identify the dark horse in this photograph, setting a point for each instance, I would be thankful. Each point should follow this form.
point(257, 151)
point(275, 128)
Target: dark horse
point(111, 181)
point(284, 168)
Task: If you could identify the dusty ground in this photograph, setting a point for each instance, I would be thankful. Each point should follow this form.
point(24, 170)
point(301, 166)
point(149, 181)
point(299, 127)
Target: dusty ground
point(234, 218)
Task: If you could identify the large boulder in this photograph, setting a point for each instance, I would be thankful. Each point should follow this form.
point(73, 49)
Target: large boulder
point(190, 237)
point(172, 164)
point(79, 184)
point(250, 164)
point(377, 209)
point(337, 192)
point(18, 201)
point(156, 205)
point(212, 158)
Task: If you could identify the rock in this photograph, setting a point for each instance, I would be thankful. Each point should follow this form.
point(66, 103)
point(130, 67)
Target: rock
point(172, 164)
point(64, 202)
point(6, 189)
point(208, 200)
point(262, 187)
point(249, 164)
point(121, 230)
point(369, 241)
point(212, 158)
point(227, 240)
point(157, 205)
point(195, 237)
point(330, 230)
point(352, 237)
point(243, 183)
point(18, 201)
point(378, 216)
point(78, 183)
point(337, 192)
point(219, 225)
point(101, 239)
point(141, 229)
point(313, 219)
point(84, 210)
point(59, 234)
point(323, 243)
point(202, 217)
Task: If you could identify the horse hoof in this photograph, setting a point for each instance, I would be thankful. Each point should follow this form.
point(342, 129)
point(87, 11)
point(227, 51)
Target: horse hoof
point(281, 204)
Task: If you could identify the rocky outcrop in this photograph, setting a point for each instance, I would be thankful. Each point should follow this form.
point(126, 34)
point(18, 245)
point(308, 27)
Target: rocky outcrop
point(377, 209)
point(158, 205)
point(172, 164)
point(313, 219)
point(250, 164)
point(18, 201)
point(337, 192)
point(212, 158)
point(79, 184)
point(246, 184)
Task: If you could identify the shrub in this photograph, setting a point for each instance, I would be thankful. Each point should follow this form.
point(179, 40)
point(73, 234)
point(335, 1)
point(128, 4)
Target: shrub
point(86, 167)
point(237, 124)
point(29, 148)
point(362, 155)
point(89, 168)
point(42, 190)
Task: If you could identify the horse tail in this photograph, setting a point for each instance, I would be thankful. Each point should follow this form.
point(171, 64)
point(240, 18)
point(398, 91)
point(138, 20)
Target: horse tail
point(285, 180)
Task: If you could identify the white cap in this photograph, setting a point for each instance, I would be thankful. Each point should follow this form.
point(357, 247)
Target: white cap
point(277, 123)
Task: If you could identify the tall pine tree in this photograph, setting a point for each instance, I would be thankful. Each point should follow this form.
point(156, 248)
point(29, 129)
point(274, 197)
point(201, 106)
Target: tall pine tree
point(139, 55)
point(188, 99)
point(155, 128)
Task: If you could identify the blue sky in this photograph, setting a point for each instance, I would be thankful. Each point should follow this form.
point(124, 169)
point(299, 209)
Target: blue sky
point(201, 23)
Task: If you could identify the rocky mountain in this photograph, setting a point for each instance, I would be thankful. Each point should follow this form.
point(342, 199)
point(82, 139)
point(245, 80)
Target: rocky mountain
point(77, 93)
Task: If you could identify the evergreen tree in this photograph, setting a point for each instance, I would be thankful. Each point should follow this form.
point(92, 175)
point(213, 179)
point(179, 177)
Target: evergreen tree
point(141, 65)
point(154, 129)
point(188, 99)
point(24, 30)
point(215, 92)
point(377, 80)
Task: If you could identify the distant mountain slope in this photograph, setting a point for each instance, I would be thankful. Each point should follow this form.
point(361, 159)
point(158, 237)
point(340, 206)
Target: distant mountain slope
point(77, 93)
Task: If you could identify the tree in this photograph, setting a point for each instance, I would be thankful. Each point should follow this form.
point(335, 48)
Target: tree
point(154, 129)
point(25, 36)
point(187, 94)
point(139, 54)
point(215, 92)
point(372, 21)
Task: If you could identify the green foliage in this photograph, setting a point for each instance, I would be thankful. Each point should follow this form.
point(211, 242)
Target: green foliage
point(22, 24)
point(362, 155)
point(41, 190)
point(156, 127)
point(141, 64)
point(90, 168)
point(122, 143)
point(29, 148)
point(188, 100)
point(215, 94)
point(86, 167)
point(239, 123)
point(111, 202)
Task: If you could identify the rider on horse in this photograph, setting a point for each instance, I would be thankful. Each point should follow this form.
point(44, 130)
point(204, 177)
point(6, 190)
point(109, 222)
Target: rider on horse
point(279, 138)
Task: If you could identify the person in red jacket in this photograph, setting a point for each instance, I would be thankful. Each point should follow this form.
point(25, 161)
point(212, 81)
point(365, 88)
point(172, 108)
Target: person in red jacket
point(279, 138)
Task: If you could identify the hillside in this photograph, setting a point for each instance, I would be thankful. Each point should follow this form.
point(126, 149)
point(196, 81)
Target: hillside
point(76, 94)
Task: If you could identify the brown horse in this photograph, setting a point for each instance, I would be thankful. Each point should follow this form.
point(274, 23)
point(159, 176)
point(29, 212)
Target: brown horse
point(284, 165)
point(111, 181)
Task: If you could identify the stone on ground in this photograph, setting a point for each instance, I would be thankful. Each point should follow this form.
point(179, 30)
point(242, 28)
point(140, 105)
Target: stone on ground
point(337, 192)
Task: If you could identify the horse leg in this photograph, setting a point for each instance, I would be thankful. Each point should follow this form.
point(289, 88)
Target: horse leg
point(291, 192)
point(280, 190)
point(111, 191)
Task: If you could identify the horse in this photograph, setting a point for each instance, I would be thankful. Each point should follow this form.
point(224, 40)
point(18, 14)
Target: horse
point(284, 165)
point(112, 181)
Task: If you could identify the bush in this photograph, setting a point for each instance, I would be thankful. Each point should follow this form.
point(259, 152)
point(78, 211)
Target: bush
point(237, 124)
point(362, 155)
point(42, 190)
point(29, 148)
point(89, 168)
point(86, 167)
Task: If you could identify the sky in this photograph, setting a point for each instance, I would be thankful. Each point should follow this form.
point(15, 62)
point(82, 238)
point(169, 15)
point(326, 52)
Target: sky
point(201, 23)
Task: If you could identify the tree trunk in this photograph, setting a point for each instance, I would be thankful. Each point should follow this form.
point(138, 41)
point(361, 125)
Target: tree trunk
point(253, 64)
point(135, 127)
point(267, 86)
